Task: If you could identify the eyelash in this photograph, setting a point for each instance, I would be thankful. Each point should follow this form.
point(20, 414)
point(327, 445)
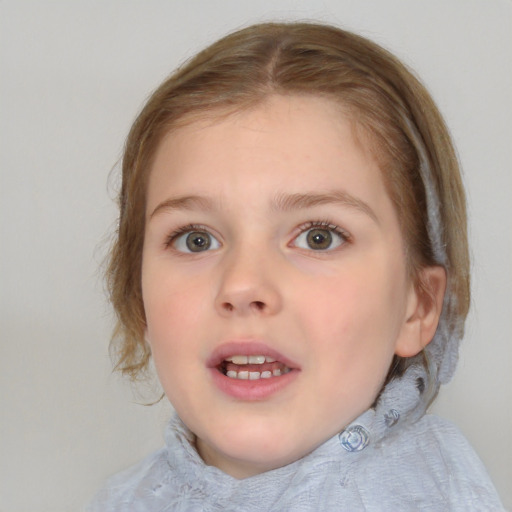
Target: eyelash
point(324, 224)
point(182, 230)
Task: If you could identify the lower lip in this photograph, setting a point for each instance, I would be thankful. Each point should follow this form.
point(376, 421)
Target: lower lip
point(252, 390)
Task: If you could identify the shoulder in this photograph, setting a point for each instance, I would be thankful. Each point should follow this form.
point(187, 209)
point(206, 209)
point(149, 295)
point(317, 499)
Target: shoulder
point(438, 443)
point(132, 486)
point(430, 463)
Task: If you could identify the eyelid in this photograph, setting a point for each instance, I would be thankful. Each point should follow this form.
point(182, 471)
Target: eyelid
point(302, 228)
point(325, 224)
point(171, 239)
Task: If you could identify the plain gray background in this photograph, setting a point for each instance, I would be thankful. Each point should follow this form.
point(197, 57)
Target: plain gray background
point(73, 76)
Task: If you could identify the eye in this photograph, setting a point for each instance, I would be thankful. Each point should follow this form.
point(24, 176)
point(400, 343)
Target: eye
point(320, 237)
point(193, 240)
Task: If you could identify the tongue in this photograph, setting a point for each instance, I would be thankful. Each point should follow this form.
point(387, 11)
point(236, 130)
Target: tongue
point(265, 367)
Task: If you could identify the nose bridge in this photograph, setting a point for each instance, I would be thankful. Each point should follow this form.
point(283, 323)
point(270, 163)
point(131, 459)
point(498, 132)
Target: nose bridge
point(248, 281)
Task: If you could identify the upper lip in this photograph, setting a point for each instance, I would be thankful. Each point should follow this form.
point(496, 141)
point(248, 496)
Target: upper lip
point(247, 348)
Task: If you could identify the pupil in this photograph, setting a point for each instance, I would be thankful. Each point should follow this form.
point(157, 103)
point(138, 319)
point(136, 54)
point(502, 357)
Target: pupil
point(319, 239)
point(198, 241)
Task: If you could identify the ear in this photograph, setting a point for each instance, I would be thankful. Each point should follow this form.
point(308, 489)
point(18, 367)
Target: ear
point(424, 306)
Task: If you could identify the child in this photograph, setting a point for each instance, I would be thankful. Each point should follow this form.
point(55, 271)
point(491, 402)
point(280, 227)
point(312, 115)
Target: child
point(292, 252)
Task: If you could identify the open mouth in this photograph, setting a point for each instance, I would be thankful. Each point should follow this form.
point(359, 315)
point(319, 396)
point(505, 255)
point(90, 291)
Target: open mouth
point(250, 370)
point(252, 367)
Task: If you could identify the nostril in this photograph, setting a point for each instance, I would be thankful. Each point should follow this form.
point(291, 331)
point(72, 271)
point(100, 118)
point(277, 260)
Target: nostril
point(243, 307)
point(257, 304)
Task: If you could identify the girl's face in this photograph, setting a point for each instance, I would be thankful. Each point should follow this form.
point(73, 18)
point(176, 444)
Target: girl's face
point(274, 280)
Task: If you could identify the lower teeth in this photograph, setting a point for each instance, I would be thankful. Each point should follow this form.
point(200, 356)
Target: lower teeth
point(246, 375)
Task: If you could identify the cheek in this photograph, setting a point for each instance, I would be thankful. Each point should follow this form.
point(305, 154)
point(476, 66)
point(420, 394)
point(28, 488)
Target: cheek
point(360, 309)
point(164, 280)
point(170, 313)
point(172, 305)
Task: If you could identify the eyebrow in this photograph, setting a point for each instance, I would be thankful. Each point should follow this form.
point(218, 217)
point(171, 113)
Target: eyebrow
point(183, 203)
point(287, 202)
point(281, 202)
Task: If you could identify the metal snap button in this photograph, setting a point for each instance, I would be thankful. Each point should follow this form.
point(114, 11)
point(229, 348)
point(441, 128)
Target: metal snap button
point(354, 438)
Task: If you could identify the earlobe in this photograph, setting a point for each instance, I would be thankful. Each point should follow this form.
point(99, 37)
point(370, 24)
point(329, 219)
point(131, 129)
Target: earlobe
point(424, 307)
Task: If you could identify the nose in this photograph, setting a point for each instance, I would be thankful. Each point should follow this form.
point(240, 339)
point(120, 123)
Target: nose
point(249, 285)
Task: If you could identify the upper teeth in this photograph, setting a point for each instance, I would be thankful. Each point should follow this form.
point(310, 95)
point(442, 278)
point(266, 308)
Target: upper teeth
point(250, 359)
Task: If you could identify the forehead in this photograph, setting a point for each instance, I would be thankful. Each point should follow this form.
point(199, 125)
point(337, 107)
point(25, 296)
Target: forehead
point(285, 138)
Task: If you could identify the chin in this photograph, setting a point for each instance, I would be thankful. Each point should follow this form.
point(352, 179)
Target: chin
point(244, 452)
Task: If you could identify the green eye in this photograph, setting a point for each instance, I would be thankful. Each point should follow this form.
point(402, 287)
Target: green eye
point(195, 241)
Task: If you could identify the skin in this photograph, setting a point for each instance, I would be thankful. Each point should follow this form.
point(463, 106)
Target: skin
point(339, 314)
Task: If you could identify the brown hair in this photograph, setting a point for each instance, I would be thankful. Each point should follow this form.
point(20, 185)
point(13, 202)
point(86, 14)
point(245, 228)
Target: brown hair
point(383, 99)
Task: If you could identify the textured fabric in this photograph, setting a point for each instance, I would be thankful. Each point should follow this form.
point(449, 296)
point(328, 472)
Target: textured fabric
point(418, 466)
point(442, 352)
